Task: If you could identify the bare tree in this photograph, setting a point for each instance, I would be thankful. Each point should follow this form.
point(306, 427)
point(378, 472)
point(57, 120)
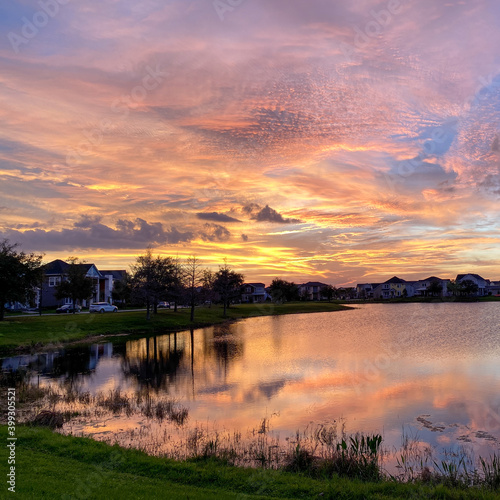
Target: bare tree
point(193, 276)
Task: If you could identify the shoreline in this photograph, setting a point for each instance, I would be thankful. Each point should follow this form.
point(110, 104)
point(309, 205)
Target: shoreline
point(33, 334)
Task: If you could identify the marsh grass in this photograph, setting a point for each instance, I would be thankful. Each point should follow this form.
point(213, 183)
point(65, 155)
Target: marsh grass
point(318, 451)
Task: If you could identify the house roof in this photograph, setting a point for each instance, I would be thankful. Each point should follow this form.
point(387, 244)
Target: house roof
point(462, 276)
point(257, 285)
point(57, 266)
point(313, 283)
point(395, 279)
point(87, 267)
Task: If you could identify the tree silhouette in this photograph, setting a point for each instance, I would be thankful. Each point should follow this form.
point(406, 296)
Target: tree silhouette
point(20, 274)
point(152, 279)
point(227, 284)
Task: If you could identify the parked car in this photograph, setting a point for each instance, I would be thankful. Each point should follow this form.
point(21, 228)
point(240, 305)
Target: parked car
point(163, 305)
point(101, 307)
point(68, 308)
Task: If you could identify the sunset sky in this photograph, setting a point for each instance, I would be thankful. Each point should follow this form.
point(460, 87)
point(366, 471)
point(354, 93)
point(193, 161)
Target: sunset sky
point(336, 141)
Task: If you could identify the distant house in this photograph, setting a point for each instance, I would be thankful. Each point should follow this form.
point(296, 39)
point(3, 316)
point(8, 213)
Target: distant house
point(482, 284)
point(423, 288)
point(365, 290)
point(493, 288)
point(254, 293)
point(391, 289)
point(312, 290)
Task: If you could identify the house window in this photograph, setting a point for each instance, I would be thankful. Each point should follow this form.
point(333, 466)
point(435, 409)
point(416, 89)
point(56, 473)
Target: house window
point(54, 280)
point(68, 301)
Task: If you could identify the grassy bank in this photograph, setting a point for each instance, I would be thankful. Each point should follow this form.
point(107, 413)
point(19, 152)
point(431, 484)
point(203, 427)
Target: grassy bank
point(41, 330)
point(49, 465)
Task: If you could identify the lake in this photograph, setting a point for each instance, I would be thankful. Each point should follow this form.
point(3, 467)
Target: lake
point(430, 372)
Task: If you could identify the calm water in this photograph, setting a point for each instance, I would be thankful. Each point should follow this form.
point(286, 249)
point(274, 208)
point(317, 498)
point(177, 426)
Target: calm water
point(432, 370)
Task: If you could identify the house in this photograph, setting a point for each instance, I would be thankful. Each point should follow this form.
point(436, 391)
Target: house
point(312, 290)
point(56, 271)
point(481, 283)
point(424, 288)
point(365, 290)
point(390, 289)
point(254, 293)
point(493, 288)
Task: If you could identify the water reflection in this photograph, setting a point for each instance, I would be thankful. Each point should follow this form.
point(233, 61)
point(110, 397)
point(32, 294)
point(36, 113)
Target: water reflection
point(432, 369)
point(154, 362)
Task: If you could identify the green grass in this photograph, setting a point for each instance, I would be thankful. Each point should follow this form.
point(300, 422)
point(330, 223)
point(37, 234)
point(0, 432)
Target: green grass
point(49, 465)
point(39, 330)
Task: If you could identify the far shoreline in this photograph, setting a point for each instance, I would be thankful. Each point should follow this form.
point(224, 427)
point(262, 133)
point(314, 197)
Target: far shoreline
point(20, 335)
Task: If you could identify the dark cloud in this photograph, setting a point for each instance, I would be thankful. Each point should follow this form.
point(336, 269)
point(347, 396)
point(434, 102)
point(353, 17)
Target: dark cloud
point(89, 232)
point(214, 232)
point(244, 237)
point(216, 217)
point(268, 214)
point(27, 226)
point(251, 208)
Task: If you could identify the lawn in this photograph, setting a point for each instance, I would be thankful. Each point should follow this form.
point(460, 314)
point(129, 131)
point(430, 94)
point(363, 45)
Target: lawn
point(49, 465)
point(40, 330)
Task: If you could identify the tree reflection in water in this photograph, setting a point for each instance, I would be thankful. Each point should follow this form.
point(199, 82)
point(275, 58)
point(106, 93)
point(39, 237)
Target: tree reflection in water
point(158, 366)
point(226, 346)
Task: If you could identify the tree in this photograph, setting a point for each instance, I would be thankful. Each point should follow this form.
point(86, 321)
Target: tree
point(453, 287)
point(208, 286)
point(122, 290)
point(176, 288)
point(152, 278)
point(227, 284)
point(468, 287)
point(193, 276)
point(435, 288)
point(329, 292)
point(283, 291)
point(20, 275)
point(75, 284)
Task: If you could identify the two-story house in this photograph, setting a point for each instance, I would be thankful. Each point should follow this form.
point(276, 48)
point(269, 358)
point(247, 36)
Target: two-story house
point(254, 293)
point(57, 270)
point(365, 290)
point(312, 290)
point(432, 286)
point(481, 283)
point(391, 289)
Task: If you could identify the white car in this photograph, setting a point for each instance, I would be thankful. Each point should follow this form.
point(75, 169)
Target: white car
point(101, 307)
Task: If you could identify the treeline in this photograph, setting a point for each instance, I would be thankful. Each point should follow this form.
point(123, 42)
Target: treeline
point(154, 279)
